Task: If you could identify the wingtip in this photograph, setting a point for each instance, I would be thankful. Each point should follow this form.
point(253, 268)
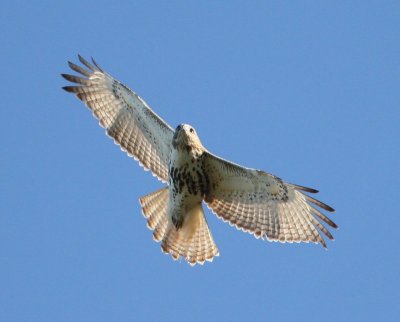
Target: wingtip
point(329, 208)
point(97, 65)
point(318, 203)
point(302, 188)
point(310, 190)
point(83, 61)
point(334, 225)
point(69, 89)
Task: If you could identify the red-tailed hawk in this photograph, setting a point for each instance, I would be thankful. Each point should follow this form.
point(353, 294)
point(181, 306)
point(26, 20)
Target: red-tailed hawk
point(251, 200)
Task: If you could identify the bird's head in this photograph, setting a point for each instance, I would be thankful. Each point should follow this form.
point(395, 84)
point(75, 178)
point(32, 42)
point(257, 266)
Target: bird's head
point(185, 137)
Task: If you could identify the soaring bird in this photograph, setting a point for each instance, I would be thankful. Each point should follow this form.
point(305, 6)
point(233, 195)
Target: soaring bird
point(251, 200)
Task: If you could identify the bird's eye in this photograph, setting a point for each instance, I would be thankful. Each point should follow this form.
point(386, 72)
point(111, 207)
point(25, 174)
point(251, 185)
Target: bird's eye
point(191, 130)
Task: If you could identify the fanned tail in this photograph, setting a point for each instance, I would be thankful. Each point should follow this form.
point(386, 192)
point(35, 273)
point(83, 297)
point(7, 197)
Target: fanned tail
point(193, 241)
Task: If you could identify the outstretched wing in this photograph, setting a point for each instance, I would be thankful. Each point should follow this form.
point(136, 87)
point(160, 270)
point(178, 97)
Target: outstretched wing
point(125, 116)
point(262, 204)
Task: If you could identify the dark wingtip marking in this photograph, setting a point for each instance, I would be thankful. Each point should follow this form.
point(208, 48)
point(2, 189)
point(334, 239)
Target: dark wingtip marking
point(330, 236)
point(329, 208)
point(310, 190)
point(69, 89)
point(86, 63)
point(334, 225)
point(79, 69)
point(302, 188)
point(327, 233)
point(97, 65)
point(324, 218)
point(67, 77)
point(330, 222)
point(319, 203)
point(77, 79)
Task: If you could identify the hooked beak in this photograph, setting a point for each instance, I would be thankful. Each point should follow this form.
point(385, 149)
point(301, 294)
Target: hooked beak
point(177, 130)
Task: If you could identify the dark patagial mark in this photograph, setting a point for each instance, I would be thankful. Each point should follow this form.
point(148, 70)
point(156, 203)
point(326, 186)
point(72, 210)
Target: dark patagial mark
point(114, 90)
point(283, 190)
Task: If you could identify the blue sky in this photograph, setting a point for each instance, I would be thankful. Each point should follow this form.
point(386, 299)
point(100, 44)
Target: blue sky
point(306, 90)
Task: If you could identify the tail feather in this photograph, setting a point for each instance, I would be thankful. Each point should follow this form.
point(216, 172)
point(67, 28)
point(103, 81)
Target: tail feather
point(154, 208)
point(193, 241)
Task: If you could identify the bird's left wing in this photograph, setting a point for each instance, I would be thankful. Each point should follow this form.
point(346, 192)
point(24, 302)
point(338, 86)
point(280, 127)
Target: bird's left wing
point(125, 116)
point(262, 204)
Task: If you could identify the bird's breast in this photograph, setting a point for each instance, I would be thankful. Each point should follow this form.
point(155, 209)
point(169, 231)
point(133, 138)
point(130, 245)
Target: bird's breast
point(186, 175)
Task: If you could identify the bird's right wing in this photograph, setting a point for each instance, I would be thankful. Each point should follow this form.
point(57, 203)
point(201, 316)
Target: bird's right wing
point(125, 116)
point(263, 204)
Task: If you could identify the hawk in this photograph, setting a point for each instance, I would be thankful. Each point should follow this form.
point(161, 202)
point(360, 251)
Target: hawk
point(251, 200)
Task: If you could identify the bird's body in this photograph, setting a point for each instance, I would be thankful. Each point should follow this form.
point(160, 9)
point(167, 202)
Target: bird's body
point(251, 200)
point(187, 188)
point(187, 182)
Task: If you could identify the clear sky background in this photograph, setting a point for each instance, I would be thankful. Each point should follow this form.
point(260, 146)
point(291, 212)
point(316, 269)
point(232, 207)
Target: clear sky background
point(306, 90)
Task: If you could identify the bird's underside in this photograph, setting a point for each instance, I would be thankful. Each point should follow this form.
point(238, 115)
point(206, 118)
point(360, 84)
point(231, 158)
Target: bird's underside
point(251, 200)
